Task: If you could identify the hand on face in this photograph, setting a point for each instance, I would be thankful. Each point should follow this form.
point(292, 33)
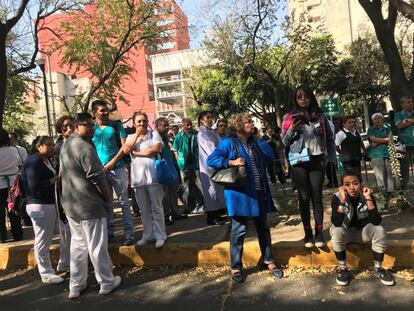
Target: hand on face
point(342, 194)
point(367, 192)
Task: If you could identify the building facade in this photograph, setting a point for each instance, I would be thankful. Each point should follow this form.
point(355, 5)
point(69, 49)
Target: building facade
point(64, 83)
point(171, 73)
point(346, 20)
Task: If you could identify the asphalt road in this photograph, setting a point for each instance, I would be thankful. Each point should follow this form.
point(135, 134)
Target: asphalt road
point(204, 288)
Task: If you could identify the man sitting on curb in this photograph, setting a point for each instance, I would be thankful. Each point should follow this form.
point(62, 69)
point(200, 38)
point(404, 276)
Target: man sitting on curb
point(355, 217)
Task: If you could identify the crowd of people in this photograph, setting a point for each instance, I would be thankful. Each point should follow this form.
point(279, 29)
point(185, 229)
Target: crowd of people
point(69, 184)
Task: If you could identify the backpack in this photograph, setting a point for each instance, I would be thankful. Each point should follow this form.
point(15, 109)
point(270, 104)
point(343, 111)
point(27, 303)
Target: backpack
point(15, 198)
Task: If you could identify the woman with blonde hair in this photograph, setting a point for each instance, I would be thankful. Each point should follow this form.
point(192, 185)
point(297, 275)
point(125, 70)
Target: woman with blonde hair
point(251, 199)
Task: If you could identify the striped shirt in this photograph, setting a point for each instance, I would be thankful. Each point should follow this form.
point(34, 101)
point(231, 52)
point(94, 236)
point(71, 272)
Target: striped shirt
point(256, 174)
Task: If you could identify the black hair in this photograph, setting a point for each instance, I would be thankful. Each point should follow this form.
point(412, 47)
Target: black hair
point(82, 117)
point(39, 140)
point(13, 134)
point(160, 120)
point(346, 118)
point(96, 103)
point(59, 123)
point(313, 105)
point(350, 172)
point(4, 138)
point(202, 115)
point(186, 121)
point(222, 121)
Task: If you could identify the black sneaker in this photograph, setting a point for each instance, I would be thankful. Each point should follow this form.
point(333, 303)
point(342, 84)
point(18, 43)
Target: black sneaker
point(308, 240)
point(169, 221)
point(344, 277)
point(385, 276)
point(129, 241)
point(237, 277)
point(319, 240)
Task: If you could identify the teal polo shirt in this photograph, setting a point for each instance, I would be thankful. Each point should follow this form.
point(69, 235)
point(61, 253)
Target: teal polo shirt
point(406, 134)
point(107, 143)
point(380, 151)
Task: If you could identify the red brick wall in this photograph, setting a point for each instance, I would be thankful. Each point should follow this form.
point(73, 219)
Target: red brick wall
point(137, 87)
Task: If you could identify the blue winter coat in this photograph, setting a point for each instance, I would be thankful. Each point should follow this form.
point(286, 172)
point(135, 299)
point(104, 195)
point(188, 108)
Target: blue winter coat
point(243, 201)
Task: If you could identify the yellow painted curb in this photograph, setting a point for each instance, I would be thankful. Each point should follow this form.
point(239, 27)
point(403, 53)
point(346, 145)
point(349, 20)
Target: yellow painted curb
point(400, 254)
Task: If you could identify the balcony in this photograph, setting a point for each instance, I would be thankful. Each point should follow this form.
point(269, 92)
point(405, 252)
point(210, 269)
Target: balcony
point(167, 79)
point(169, 94)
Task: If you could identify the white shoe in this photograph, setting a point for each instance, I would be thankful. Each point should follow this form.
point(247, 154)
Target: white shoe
point(159, 243)
point(115, 284)
point(62, 269)
point(75, 293)
point(53, 279)
point(143, 242)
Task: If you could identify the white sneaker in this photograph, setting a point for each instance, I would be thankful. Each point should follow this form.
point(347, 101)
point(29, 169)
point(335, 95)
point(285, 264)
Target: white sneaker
point(115, 284)
point(62, 269)
point(53, 279)
point(142, 242)
point(75, 293)
point(159, 243)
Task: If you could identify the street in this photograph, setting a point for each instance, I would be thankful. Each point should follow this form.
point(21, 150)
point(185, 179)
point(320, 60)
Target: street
point(209, 288)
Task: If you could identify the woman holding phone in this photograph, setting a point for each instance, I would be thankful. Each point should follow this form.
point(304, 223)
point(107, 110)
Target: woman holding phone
point(306, 128)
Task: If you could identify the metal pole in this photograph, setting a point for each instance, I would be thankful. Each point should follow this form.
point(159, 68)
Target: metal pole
point(49, 129)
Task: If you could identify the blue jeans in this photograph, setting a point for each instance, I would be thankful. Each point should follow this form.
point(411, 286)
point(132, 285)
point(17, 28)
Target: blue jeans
point(118, 181)
point(238, 232)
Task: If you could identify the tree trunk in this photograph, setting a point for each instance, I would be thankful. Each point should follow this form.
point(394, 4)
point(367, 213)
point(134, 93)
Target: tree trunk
point(385, 29)
point(3, 74)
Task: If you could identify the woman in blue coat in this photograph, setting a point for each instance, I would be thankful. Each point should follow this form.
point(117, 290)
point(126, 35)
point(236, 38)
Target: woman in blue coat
point(250, 200)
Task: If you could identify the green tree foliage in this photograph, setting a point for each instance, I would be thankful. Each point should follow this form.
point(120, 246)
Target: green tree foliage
point(16, 110)
point(364, 77)
point(254, 60)
point(20, 23)
point(318, 65)
point(103, 39)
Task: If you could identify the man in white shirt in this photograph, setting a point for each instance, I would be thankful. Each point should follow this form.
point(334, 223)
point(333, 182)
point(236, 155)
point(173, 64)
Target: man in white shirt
point(349, 145)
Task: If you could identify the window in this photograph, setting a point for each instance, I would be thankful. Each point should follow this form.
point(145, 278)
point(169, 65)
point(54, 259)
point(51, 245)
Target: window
point(164, 22)
point(168, 33)
point(166, 10)
point(166, 45)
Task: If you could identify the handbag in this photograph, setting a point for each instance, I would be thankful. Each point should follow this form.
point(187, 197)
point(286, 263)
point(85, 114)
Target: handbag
point(233, 176)
point(166, 172)
point(299, 157)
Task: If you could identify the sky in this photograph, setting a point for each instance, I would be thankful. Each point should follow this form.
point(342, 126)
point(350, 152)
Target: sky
point(195, 11)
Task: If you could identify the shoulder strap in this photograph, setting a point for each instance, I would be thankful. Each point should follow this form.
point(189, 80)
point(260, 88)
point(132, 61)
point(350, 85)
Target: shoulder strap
point(236, 147)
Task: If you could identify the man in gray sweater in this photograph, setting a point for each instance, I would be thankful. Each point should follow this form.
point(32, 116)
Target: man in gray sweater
point(87, 201)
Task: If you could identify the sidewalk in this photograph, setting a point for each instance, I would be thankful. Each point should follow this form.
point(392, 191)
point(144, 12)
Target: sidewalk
point(192, 242)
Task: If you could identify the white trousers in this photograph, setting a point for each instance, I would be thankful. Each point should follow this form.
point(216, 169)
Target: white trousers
point(89, 237)
point(45, 224)
point(149, 199)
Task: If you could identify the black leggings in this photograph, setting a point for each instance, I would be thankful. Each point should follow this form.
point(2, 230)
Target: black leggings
point(308, 178)
point(16, 227)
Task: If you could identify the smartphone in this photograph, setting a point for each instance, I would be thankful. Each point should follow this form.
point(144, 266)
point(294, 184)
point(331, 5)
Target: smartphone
point(300, 119)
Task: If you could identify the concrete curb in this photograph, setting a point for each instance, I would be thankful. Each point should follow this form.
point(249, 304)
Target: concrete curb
point(400, 254)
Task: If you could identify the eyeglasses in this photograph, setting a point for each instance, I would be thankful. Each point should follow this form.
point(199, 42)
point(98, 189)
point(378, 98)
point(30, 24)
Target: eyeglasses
point(248, 122)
